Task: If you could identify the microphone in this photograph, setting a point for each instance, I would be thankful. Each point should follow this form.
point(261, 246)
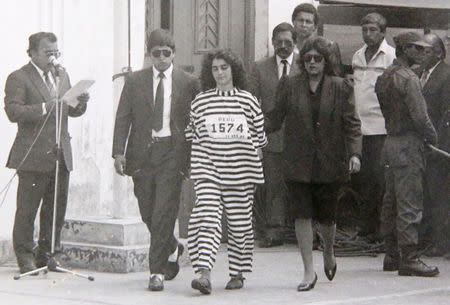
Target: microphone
point(56, 64)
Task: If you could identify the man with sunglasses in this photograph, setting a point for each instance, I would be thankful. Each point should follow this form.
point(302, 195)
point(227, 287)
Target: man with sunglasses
point(30, 95)
point(408, 128)
point(149, 145)
point(271, 198)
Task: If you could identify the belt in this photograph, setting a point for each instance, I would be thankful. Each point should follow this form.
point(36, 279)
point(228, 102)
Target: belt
point(161, 139)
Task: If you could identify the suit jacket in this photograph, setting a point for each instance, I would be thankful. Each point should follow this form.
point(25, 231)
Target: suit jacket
point(263, 85)
point(317, 153)
point(437, 93)
point(25, 91)
point(133, 126)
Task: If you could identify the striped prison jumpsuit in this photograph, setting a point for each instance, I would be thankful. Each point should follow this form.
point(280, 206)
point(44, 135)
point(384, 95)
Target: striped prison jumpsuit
point(226, 128)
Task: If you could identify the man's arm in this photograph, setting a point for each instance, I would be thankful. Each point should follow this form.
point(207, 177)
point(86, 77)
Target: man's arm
point(274, 119)
point(123, 121)
point(418, 110)
point(16, 107)
point(254, 82)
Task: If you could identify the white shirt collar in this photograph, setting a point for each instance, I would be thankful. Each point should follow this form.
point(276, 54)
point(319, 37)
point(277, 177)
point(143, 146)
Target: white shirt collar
point(40, 71)
point(167, 73)
point(289, 59)
point(434, 67)
point(384, 47)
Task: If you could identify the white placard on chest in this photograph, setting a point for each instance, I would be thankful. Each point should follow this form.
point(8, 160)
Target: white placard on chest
point(227, 126)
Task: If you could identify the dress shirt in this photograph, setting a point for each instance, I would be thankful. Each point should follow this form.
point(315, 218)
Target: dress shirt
point(52, 80)
point(365, 76)
point(280, 65)
point(167, 82)
point(424, 81)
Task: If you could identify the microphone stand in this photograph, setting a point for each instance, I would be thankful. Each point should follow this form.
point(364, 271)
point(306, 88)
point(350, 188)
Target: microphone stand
point(52, 264)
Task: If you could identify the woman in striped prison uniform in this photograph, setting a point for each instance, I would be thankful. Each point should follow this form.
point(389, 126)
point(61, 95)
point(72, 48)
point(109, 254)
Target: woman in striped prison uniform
point(227, 133)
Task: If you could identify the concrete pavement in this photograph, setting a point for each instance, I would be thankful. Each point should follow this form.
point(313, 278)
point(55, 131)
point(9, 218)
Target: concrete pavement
point(277, 272)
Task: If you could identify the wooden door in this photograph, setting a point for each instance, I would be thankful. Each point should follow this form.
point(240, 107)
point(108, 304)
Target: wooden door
point(199, 26)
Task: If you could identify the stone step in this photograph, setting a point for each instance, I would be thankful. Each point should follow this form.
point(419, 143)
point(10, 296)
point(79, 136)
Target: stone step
point(119, 259)
point(106, 231)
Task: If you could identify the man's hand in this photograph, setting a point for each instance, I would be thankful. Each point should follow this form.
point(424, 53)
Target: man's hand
point(83, 97)
point(354, 165)
point(119, 164)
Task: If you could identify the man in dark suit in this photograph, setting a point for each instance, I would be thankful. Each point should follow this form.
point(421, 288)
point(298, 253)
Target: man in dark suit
point(435, 80)
point(271, 197)
point(149, 146)
point(30, 96)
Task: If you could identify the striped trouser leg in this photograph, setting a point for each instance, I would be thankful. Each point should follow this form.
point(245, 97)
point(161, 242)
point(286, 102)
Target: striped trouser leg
point(238, 202)
point(205, 227)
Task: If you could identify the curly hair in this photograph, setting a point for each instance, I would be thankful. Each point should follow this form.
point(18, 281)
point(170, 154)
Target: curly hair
point(237, 69)
point(324, 47)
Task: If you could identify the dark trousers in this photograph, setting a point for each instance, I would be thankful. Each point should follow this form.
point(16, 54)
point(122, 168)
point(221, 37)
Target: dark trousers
point(403, 204)
point(157, 188)
point(271, 198)
point(34, 187)
point(369, 183)
point(436, 223)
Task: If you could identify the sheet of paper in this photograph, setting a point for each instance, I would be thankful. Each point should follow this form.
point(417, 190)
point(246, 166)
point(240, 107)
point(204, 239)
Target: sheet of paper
point(70, 97)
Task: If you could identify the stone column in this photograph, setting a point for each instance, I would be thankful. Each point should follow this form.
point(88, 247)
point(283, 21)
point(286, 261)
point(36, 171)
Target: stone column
point(103, 229)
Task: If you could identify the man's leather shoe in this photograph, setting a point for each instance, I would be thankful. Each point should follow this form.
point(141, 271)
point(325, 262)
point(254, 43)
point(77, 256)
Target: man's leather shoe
point(236, 282)
point(202, 284)
point(268, 242)
point(27, 268)
point(156, 282)
point(173, 268)
point(391, 262)
point(26, 263)
point(416, 267)
point(308, 286)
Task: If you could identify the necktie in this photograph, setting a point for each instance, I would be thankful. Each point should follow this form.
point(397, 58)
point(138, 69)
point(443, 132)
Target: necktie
point(157, 120)
point(285, 63)
point(424, 77)
point(50, 86)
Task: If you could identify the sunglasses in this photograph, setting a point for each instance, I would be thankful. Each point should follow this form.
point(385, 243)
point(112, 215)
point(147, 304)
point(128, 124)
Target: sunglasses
point(309, 58)
point(157, 53)
point(418, 48)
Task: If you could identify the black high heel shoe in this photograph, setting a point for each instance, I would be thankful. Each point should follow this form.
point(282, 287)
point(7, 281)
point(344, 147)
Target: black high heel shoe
point(308, 286)
point(330, 273)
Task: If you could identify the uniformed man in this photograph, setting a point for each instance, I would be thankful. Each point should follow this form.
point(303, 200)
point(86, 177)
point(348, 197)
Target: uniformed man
point(409, 129)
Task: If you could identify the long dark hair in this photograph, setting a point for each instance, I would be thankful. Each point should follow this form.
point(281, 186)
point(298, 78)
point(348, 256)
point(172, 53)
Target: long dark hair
point(231, 58)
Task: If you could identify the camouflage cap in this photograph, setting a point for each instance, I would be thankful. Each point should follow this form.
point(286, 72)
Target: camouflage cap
point(406, 38)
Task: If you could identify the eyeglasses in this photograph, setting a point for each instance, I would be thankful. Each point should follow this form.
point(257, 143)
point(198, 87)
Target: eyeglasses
point(157, 53)
point(55, 53)
point(309, 58)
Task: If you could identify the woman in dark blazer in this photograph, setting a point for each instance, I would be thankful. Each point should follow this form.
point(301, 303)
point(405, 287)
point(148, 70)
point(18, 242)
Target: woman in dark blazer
point(322, 147)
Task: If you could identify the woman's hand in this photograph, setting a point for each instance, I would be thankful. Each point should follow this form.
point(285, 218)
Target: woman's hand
point(354, 164)
point(259, 152)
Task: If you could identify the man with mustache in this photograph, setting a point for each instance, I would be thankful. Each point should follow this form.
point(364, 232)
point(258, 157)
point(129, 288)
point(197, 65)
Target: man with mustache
point(271, 200)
